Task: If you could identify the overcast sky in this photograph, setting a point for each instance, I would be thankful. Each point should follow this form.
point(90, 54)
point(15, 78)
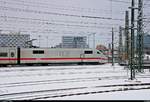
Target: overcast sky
point(49, 20)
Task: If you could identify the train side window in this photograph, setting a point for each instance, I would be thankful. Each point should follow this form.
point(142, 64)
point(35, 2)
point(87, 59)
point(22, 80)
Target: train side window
point(35, 52)
point(88, 52)
point(38, 51)
point(41, 52)
point(3, 54)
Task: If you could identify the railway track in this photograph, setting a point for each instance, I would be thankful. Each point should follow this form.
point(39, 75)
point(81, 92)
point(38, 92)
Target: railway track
point(88, 79)
point(58, 73)
point(54, 93)
point(51, 68)
point(44, 82)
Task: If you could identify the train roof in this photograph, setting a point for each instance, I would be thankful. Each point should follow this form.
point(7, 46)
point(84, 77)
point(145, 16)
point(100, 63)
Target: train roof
point(51, 48)
point(64, 48)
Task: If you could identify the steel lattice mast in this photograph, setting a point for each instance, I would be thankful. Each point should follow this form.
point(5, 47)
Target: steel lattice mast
point(140, 36)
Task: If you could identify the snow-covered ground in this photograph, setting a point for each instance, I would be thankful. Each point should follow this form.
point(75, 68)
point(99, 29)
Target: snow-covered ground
point(124, 95)
point(73, 82)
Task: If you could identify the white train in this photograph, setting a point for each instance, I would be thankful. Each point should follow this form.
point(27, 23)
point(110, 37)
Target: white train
point(9, 56)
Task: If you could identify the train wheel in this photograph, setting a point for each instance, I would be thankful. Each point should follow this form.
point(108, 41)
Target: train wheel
point(81, 63)
point(44, 64)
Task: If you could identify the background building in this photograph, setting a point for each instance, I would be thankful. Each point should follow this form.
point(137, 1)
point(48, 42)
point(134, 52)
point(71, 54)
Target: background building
point(147, 44)
point(73, 42)
point(15, 40)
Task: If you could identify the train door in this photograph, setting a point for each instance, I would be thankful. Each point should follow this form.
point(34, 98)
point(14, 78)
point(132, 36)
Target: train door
point(88, 54)
point(82, 56)
point(38, 54)
point(12, 56)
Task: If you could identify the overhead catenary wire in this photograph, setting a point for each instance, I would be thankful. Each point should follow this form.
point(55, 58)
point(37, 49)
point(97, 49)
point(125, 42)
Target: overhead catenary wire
point(45, 21)
point(85, 20)
point(56, 6)
point(54, 13)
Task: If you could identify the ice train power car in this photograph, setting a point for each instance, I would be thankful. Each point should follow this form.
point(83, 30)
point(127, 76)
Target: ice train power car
point(10, 56)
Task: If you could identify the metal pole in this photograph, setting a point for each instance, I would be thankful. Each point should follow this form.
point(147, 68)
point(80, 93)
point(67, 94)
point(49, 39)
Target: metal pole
point(109, 51)
point(127, 54)
point(120, 45)
point(88, 41)
point(132, 41)
point(39, 40)
point(93, 40)
point(47, 41)
point(112, 47)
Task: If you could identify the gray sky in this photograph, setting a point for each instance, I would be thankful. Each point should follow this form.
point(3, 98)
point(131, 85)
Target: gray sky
point(49, 20)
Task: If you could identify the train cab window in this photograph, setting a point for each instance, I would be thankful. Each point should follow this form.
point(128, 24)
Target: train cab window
point(88, 52)
point(38, 51)
point(98, 52)
point(3, 54)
